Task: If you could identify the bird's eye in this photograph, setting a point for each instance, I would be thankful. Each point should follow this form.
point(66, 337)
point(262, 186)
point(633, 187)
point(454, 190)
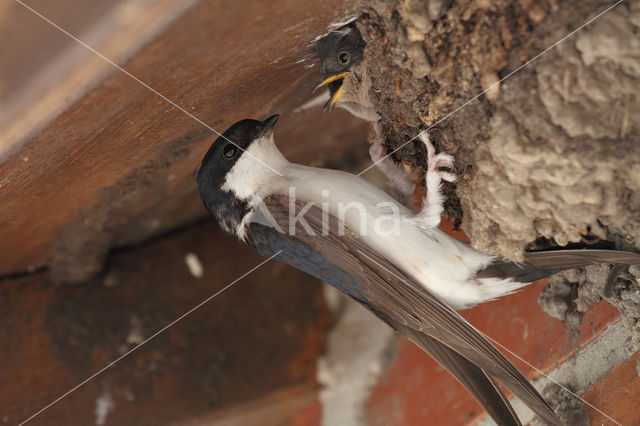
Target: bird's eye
point(229, 151)
point(344, 57)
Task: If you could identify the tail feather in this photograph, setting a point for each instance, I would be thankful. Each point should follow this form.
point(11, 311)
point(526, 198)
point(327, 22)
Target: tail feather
point(541, 264)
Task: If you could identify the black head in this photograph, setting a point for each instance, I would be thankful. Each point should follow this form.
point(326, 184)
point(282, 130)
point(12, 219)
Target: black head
point(223, 155)
point(338, 52)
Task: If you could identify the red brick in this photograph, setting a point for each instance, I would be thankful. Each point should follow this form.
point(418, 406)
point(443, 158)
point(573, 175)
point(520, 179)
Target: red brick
point(295, 405)
point(617, 394)
point(310, 416)
point(260, 337)
point(517, 322)
point(416, 389)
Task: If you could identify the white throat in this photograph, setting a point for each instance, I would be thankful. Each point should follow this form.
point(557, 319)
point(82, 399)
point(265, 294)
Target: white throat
point(249, 179)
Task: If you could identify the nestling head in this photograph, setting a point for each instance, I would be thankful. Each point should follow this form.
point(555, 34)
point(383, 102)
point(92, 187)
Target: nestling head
point(338, 52)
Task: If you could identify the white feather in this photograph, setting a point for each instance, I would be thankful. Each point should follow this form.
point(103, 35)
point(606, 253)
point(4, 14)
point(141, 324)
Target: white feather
point(250, 179)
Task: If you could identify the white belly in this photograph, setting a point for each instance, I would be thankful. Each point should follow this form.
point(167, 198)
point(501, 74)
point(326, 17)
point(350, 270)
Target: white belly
point(441, 263)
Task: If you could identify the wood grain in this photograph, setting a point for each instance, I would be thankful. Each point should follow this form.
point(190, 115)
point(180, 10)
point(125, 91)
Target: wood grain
point(115, 166)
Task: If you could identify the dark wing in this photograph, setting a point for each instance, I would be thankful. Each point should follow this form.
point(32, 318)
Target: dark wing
point(474, 379)
point(268, 241)
point(541, 264)
point(388, 292)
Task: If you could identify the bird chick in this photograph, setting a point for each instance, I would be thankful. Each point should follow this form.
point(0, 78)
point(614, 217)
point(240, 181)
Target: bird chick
point(344, 72)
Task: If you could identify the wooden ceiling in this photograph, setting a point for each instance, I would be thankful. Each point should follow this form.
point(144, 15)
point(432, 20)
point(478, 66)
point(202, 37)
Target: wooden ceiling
point(91, 159)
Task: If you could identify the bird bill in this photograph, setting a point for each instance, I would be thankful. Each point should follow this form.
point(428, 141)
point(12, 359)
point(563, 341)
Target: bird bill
point(337, 94)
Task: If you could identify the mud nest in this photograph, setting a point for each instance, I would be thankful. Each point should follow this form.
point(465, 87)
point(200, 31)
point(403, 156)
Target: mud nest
point(548, 156)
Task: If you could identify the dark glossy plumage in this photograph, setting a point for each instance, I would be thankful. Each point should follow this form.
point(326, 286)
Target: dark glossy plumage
point(226, 208)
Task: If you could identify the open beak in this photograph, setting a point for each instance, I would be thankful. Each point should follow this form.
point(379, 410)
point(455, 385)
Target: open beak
point(335, 89)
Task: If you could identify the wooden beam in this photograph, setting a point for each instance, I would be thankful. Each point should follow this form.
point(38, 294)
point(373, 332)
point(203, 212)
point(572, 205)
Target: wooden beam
point(115, 166)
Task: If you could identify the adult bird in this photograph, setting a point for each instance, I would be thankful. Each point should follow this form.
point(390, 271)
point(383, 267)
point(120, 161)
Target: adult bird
point(345, 231)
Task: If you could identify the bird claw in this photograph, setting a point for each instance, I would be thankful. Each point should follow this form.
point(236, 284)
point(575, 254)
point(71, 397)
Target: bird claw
point(437, 162)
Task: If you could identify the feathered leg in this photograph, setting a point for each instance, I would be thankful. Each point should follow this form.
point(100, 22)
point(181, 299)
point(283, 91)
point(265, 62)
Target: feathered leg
point(432, 205)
